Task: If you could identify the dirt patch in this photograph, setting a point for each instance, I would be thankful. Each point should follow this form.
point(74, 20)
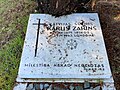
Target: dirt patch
point(110, 20)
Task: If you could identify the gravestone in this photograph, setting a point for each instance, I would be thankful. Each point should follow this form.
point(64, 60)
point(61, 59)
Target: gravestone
point(64, 49)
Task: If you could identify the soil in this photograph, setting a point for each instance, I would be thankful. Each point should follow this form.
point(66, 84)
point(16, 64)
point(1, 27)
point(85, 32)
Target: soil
point(110, 20)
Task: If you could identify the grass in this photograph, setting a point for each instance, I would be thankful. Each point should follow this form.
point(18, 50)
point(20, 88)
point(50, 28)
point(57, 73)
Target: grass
point(14, 16)
point(10, 57)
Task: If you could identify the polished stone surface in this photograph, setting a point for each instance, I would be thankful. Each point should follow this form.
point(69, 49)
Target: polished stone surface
point(70, 46)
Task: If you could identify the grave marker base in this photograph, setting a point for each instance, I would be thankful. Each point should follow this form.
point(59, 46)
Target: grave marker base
point(55, 56)
point(107, 84)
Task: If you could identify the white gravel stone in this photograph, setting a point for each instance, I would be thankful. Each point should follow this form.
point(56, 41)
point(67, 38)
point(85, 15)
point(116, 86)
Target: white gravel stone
point(30, 87)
